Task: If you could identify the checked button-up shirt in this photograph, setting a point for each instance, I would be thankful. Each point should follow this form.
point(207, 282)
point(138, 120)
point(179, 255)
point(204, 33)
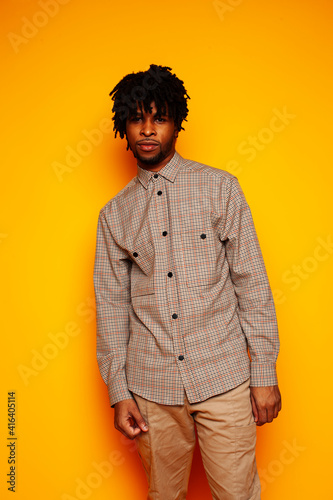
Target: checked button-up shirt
point(183, 300)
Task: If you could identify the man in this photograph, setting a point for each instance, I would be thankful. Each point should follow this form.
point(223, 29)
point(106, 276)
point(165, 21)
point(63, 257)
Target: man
point(182, 298)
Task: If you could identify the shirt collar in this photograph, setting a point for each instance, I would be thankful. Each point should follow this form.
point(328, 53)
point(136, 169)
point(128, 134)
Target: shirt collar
point(169, 172)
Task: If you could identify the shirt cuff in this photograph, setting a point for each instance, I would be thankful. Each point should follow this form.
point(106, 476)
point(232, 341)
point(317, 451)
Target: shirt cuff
point(263, 375)
point(118, 392)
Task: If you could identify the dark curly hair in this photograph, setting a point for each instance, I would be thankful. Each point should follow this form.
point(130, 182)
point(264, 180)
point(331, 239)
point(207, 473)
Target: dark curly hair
point(158, 85)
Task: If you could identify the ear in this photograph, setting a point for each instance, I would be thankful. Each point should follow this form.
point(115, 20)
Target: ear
point(176, 133)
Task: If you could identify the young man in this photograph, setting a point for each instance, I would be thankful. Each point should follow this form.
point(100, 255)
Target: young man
point(182, 297)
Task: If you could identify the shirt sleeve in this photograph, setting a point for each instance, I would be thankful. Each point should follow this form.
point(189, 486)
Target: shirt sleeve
point(113, 305)
point(256, 309)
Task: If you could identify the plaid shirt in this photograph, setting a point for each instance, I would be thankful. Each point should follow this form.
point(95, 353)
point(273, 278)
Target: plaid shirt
point(181, 288)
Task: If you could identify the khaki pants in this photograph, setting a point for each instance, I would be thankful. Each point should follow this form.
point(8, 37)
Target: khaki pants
point(227, 438)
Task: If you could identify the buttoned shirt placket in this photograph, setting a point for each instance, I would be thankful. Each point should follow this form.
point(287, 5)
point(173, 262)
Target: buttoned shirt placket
point(164, 273)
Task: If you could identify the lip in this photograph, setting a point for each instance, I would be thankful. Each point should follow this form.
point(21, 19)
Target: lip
point(147, 145)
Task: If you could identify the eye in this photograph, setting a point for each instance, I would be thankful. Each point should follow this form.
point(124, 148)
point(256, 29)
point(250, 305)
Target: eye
point(160, 119)
point(135, 119)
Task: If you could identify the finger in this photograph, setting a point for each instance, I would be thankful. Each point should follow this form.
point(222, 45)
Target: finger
point(139, 420)
point(277, 408)
point(262, 417)
point(126, 434)
point(122, 424)
point(127, 429)
point(278, 404)
point(254, 409)
point(123, 431)
point(133, 432)
point(270, 414)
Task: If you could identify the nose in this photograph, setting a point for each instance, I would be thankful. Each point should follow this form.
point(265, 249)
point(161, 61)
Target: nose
point(148, 128)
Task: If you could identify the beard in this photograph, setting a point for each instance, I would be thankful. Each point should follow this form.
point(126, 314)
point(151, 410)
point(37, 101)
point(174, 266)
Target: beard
point(154, 160)
point(158, 157)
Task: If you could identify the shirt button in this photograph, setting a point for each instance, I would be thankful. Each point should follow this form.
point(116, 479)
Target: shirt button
point(174, 316)
point(181, 357)
point(170, 275)
point(155, 176)
point(164, 233)
point(202, 236)
point(135, 254)
point(159, 193)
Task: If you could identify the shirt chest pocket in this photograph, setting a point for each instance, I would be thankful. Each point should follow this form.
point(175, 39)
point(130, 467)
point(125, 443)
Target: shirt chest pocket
point(142, 282)
point(201, 253)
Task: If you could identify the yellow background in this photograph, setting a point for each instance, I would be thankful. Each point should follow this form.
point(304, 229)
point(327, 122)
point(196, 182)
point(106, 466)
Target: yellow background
point(242, 62)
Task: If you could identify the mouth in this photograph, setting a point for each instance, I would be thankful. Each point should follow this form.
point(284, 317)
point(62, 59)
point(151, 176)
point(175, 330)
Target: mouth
point(147, 145)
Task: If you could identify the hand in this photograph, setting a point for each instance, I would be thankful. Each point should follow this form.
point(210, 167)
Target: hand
point(266, 403)
point(128, 419)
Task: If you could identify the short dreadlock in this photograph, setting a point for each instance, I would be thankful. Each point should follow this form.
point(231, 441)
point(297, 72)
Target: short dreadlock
point(158, 85)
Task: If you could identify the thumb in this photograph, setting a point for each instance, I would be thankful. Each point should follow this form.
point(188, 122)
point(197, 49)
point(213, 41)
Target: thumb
point(139, 420)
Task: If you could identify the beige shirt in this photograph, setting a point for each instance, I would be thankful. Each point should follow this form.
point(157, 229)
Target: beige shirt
point(181, 288)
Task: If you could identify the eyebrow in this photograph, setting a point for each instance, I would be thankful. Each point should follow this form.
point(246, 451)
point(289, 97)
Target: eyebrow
point(140, 113)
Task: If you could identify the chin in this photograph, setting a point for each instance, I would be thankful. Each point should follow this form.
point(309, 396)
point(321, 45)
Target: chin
point(154, 160)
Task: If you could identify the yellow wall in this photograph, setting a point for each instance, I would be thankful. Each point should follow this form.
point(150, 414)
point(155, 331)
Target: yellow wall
point(244, 62)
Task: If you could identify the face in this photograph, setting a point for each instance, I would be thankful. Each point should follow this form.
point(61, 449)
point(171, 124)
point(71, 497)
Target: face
point(151, 138)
